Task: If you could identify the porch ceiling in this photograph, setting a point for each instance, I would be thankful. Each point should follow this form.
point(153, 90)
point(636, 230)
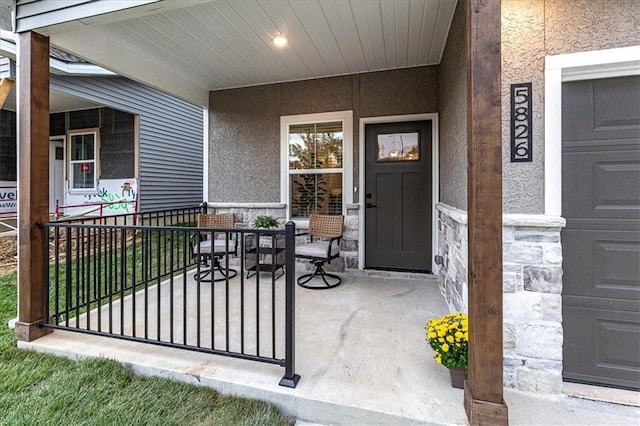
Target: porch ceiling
point(190, 48)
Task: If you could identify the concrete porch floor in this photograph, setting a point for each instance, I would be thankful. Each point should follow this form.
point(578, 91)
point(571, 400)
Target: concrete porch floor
point(362, 358)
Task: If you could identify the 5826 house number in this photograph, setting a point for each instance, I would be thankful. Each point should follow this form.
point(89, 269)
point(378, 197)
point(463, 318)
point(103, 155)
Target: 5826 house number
point(521, 137)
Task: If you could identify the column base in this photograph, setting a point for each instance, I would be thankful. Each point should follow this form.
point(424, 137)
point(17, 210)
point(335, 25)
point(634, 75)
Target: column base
point(30, 331)
point(483, 412)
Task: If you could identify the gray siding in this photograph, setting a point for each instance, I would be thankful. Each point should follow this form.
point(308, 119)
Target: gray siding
point(171, 134)
point(7, 68)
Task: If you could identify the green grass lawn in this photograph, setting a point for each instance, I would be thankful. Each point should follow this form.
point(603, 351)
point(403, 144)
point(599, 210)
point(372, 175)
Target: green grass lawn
point(39, 389)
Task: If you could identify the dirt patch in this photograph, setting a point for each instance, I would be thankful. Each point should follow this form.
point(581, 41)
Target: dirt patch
point(8, 254)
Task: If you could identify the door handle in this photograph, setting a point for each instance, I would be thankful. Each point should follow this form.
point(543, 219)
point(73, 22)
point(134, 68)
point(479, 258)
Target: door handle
point(369, 205)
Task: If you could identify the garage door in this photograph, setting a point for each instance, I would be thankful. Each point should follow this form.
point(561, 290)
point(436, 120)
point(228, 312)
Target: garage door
point(601, 243)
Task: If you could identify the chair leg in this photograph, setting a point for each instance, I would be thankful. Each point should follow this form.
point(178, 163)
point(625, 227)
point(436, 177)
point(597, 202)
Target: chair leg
point(204, 270)
point(225, 274)
point(321, 273)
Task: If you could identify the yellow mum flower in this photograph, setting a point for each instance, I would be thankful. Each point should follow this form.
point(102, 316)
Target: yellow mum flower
point(445, 347)
point(450, 339)
point(459, 335)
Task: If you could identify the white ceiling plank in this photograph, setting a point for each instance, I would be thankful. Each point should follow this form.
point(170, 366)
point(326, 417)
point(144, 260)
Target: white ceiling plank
point(374, 22)
point(359, 14)
point(429, 20)
point(162, 47)
point(288, 54)
point(343, 26)
point(315, 22)
point(264, 28)
point(416, 16)
point(388, 18)
point(127, 61)
point(441, 30)
point(402, 10)
point(305, 47)
point(301, 40)
point(193, 46)
point(246, 39)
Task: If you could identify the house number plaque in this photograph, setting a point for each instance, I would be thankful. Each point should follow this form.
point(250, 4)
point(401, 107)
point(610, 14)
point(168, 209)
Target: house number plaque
point(521, 137)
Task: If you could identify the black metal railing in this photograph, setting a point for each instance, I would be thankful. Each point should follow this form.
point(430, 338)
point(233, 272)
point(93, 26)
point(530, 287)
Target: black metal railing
point(136, 282)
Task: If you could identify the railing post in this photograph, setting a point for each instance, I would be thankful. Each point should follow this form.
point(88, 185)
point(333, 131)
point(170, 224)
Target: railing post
point(204, 206)
point(290, 379)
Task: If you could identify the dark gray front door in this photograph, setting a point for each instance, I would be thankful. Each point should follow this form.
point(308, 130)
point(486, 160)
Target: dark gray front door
point(601, 243)
point(398, 196)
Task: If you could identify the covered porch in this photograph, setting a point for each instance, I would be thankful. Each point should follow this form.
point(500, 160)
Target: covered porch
point(483, 398)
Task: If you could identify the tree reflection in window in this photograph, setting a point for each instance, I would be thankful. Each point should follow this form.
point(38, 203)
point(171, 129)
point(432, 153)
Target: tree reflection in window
point(315, 167)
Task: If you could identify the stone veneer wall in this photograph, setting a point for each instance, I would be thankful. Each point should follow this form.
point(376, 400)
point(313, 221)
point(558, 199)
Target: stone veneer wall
point(532, 285)
point(245, 213)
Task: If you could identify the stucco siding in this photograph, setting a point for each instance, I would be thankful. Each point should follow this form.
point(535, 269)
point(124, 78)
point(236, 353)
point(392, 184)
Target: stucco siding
point(582, 25)
point(244, 145)
point(396, 93)
point(452, 109)
point(530, 31)
point(522, 62)
point(244, 148)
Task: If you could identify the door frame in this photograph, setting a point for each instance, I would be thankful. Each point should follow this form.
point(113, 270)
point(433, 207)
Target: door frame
point(435, 175)
point(52, 140)
point(619, 62)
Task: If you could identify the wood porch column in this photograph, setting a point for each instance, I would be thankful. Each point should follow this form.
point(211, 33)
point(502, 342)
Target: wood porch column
point(483, 397)
point(33, 183)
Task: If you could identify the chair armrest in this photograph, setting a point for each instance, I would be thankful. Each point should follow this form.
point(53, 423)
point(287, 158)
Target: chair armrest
point(329, 247)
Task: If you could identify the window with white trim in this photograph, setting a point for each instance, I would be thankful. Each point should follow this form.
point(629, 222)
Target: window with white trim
point(83, 150)
point(316, 155)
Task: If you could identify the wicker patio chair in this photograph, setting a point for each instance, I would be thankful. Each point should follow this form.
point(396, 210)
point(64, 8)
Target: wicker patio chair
point(325, 232)
point(213, 246)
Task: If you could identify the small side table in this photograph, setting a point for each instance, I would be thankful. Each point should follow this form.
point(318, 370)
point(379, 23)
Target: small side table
point(264, 254)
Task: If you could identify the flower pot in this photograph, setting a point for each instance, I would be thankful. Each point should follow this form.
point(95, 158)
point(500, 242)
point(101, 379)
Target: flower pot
point(458, 376)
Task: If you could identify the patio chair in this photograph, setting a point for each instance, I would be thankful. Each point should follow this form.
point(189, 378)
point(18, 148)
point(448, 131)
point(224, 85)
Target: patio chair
point(213, 246)
point(325, 232)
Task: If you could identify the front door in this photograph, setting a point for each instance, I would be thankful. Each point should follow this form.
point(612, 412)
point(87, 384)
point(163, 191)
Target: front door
point(601, 242)
point(56, 173)
point(398, 196)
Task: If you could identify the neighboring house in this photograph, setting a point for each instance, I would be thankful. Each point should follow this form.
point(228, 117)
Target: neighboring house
point(110, 138)
point(389, 150)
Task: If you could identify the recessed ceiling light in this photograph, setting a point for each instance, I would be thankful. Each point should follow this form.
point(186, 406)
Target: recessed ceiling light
point(280, 40)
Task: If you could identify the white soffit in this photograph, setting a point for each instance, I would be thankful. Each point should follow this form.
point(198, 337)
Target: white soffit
point(188, 51)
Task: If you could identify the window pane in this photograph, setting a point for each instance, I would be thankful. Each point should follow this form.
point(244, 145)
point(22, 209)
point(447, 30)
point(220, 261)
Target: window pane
point(399, 147)
point(83, 175)
point(315, 146)
point(82, 147)
point(316, 193)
